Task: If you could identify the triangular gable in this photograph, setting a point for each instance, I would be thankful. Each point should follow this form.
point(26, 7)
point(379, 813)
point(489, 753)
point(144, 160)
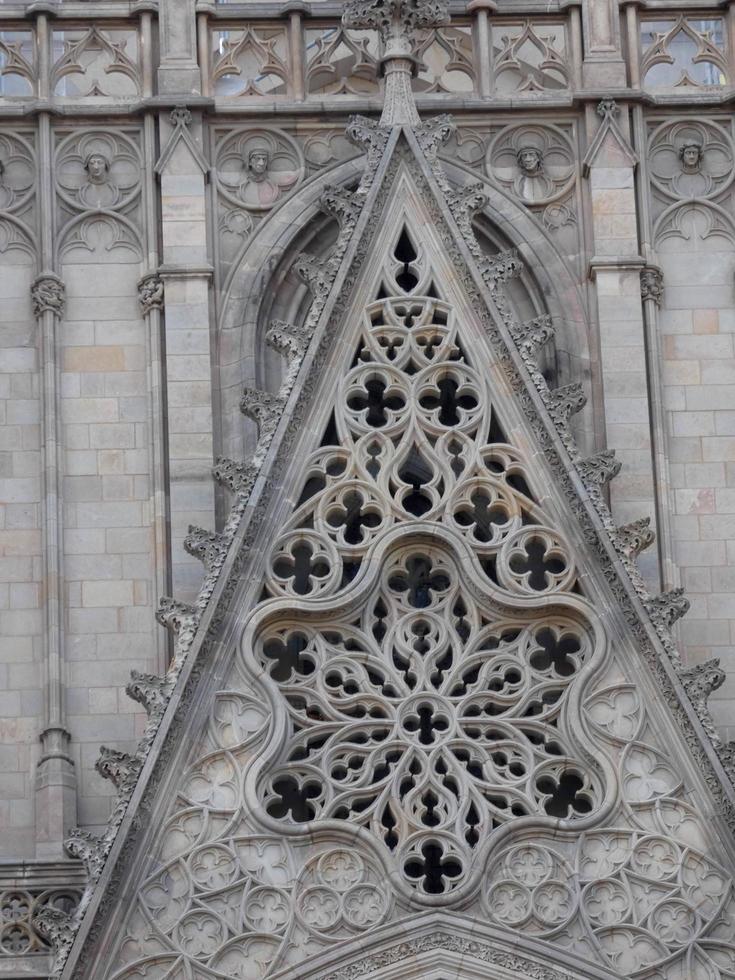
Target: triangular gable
point(180, 141)
point(524, 844)
point(609, 141)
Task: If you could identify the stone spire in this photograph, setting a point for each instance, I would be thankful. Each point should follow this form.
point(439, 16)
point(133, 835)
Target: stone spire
point(397, 21)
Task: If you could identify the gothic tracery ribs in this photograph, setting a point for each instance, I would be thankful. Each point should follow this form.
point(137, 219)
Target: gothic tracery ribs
point(438, 714)
point(425, 709)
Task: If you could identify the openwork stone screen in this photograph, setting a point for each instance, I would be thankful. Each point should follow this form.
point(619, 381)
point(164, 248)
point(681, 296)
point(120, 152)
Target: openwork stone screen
point(376, 414)
point(425, 710)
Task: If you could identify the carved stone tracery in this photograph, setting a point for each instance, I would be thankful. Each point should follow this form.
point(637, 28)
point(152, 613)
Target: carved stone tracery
point(417, 680)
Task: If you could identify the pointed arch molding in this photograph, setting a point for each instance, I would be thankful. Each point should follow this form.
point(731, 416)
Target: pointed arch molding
point(551, 875)
point(257, 277)
point(446, 946)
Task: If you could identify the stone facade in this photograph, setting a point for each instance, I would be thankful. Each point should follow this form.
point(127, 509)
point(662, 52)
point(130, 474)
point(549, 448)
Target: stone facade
point(161, 172)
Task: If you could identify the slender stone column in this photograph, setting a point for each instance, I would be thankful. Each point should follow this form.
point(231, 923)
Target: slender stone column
point(652, 286)
point(296, 10)
point(575, 31)
point(186, 276)
point(603, 62)
point(55, 796)
point(615, 269)
point(483, 43)
point(632, 31)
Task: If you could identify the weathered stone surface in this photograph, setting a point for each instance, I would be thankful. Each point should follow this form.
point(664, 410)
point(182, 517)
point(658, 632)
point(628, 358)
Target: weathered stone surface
point(615, 225)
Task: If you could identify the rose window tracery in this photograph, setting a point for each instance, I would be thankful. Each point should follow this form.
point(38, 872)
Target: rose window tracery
point(425, 709)
point(438, 713)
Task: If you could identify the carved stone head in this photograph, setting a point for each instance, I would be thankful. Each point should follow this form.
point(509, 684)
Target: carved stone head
point(98, 167)
point(690, 154)
point(258, 163)
point(530, 160)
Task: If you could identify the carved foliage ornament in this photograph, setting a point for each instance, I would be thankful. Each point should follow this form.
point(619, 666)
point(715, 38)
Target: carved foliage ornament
point(425, 709)
point(150, 293)
point(395, 17)
point(48, 292)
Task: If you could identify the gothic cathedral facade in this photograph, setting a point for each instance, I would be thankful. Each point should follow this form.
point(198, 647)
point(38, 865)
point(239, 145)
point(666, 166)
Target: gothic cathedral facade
point(367, 489)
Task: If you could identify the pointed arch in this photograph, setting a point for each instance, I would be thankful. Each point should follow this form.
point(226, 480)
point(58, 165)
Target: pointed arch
point(262, 286)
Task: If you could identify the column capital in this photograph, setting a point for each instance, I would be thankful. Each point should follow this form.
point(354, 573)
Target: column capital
point(48, 292)
point(652, 284)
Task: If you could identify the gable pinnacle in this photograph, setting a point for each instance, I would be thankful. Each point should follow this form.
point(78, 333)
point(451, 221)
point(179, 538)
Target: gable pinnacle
point(397, 21)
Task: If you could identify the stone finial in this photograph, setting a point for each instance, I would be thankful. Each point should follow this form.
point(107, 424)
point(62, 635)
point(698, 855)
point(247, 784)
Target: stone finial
point(237, 476)
point(150, 691)
point(397, 22)
point(48, 292)
point(666, 608)
point(150, 293)
point(700, 680)
point(608, 107)
point(180, 115)
point(652, 284)
point(395, 18)
point(468, 200)
point(636, 536)
point(432, 134)
point(465, 204)
point(600, 468)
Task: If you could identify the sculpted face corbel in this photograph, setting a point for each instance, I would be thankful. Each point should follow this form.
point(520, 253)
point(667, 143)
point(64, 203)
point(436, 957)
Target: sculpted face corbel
point(530, 160)
point(97, 167)
point(691, 154)
point(257, 164)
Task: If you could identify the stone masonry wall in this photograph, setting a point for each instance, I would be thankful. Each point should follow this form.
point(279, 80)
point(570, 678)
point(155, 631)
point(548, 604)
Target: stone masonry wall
point(110, 396)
